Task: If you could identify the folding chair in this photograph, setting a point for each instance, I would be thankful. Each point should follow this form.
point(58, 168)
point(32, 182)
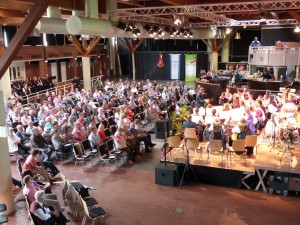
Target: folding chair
point(215, 146)
point(88, 149)
point(193, 143)
point(112, 151)
point(90, 202)
point(92, 213)
point(80, 157)
point(238, 146)
point(175, 142)
point(251, 141)
point(105, 158)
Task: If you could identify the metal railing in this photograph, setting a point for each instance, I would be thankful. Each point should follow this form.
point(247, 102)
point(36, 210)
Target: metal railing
point(60, 86)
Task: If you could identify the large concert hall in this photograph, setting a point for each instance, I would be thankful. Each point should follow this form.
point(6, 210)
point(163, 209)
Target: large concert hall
point(150, 112)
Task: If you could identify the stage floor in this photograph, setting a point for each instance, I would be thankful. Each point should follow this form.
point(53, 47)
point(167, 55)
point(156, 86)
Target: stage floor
point(266, 158)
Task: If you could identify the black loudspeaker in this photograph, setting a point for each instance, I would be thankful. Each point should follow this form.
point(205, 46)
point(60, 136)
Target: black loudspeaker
point(162, 128)
point(166, 174)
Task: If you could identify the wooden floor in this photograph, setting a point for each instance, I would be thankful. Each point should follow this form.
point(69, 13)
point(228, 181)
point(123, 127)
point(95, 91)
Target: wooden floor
point(130, 196)
point(274, 159)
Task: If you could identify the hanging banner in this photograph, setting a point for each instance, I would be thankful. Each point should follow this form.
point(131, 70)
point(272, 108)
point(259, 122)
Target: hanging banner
point(190, 67)
point(175, 66)
point(160, 63)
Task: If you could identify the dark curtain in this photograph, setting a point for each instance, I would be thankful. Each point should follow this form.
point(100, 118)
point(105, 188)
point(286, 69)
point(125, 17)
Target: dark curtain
point(146, 67)
point(270, 36)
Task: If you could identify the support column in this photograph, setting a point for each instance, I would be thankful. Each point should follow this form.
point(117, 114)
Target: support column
point(133, 66)
point(214, 61)
point(5, 86)
point(225, 52)
point(276, 69)
point(297, 73)
point(112, 54)
point(86, 70)
point(6, 186)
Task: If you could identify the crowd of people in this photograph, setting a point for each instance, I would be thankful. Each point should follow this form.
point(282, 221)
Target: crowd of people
point(120, 111)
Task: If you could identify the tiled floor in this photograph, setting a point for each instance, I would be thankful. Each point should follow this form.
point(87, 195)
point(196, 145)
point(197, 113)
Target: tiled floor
point(130, 197)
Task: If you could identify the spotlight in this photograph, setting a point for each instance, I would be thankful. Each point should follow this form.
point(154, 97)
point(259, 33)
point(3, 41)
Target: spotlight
point(177, 20)
point(119, 24)
point(191, 34)
point(129, 27)
point(237, 36)
point(161, 33)
point(297, 29)
point(136, 32)
point(228, 30)
point(147, 27)
point(155, 30)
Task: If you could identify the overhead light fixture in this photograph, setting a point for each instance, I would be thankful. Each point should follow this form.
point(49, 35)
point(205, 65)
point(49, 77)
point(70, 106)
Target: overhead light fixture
point(297, 29)
point(228, 30)
point(136, 32)
point(147, 27)
point(263, 16)
point(121, 25)
point(129, 27)
point(237, 36)
point(178, 20)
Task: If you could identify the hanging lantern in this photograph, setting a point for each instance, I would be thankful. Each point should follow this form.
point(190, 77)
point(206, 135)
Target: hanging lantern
point(160, 63)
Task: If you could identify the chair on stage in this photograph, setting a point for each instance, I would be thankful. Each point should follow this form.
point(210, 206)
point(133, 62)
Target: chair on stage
point(251, 141)
point(175, 142)
point(238, 146)
point(215, 146)
point(193, 143)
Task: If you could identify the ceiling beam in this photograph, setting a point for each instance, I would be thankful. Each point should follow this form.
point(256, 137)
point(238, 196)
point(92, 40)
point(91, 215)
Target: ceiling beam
point(16, 5)
point(295, 15)
point(11, 13)
point(35, 14)
point(14, 21)
point(65, 4)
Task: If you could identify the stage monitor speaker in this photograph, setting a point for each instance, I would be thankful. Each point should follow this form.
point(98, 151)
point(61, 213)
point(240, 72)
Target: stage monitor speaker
point(162, 127)
point(166, 174)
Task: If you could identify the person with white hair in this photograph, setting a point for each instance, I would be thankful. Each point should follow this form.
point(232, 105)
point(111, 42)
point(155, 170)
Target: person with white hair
point(43, 214)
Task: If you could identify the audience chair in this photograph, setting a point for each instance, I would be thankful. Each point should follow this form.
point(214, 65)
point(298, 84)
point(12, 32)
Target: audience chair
point(175, 142)
point(87, 148)
point(112, 151)
point(105, 158)
point(238, 146)
point(113, 130)
point(193, 143)
point(105, 123)
point(251, 141)
point(64, 154)
point(80, 157)
point(92, 213)
point(107, 133)
point(89, 201)
point(111, 121)
point(215, 146)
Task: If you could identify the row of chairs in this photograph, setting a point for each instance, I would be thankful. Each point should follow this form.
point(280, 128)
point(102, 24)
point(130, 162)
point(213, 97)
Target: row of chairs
point(107, 153)
point(215, 146)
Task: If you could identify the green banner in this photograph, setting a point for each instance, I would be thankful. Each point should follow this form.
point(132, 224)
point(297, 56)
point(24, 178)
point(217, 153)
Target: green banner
point(190, 67)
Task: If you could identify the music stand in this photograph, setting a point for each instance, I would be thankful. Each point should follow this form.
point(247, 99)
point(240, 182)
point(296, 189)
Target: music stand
point(188, 133)
point(273, 131)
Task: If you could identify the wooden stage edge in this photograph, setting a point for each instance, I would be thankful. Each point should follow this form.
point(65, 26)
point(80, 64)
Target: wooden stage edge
point(267, 159)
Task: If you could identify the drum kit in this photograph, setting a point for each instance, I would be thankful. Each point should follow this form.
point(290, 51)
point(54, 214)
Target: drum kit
point(285, 133)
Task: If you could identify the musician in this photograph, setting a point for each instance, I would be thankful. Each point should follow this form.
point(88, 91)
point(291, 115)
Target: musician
point(189, 123)
point(200, 98)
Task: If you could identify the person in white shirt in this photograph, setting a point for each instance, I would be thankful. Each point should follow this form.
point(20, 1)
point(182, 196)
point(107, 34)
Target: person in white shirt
point(14, 144)
point(38, 209)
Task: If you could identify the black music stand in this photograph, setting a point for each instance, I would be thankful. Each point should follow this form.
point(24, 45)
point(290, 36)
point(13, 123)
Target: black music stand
point(273, 143)
point(188, 133)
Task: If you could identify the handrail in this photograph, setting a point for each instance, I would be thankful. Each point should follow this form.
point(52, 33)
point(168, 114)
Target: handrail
point(65, 85)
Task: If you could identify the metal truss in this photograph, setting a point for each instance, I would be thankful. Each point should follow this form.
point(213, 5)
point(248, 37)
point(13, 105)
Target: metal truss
point(212, 8)
point(248, 23)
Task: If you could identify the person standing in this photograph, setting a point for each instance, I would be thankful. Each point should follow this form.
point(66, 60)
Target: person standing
point(255, 43)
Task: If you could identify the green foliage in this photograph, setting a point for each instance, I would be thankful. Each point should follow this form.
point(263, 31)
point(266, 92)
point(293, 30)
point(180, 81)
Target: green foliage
point(177, 120)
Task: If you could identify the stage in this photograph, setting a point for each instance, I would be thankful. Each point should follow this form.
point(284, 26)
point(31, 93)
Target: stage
point(235, 171)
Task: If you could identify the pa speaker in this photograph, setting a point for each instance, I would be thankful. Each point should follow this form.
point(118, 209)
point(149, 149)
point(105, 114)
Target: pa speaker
point(166, 175)
point(163, 128)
